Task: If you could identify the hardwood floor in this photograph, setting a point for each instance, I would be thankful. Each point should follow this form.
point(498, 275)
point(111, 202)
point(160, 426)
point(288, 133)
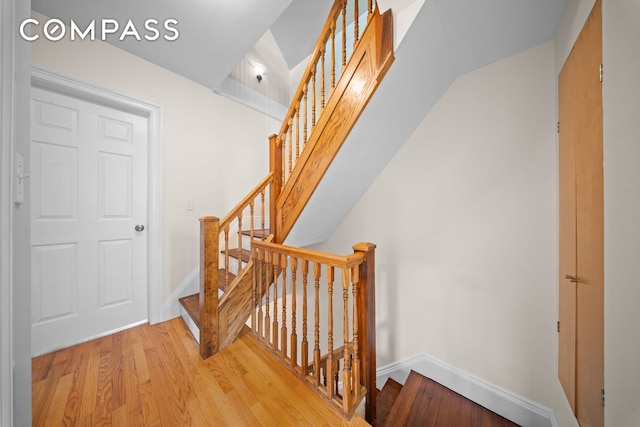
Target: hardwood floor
point(424, 402)
point(154, 376)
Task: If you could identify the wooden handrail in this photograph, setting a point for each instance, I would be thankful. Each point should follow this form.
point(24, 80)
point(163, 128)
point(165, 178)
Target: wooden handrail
point(337, 261)
point(306, 101)
point(237, 210)
point(335, 11)
point(371, 58)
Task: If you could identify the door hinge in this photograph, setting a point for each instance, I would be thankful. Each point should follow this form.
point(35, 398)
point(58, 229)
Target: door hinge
point(558, 326)
point(558, 126)
point(601, 72)
point(602, 397)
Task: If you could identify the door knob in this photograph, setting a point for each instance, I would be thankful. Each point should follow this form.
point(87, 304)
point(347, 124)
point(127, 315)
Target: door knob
point(139, 227)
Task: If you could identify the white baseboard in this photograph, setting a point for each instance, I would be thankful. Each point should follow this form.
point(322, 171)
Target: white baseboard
point(514, 407)
point(189, 286)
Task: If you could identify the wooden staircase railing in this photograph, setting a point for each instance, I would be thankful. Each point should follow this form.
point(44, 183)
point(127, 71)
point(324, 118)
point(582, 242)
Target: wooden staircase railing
point(329, 100)
point(316, 313)
point(220, 244)
point(346, 66)
point(333, 49)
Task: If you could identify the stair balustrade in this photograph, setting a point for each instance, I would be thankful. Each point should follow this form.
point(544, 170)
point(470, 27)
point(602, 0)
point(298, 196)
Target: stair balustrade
point(221, 242)
point(344, 71)
point(315, 313)
point(352, 55)
point(340, 35)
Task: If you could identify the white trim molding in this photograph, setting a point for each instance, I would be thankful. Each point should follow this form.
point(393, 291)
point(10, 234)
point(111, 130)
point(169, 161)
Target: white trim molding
point(510, 405)
point(49, 80)
point(7, 120)
point(189, 286)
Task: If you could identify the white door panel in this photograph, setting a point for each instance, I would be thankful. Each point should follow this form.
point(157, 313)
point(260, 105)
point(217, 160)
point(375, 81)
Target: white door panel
point(89, 191)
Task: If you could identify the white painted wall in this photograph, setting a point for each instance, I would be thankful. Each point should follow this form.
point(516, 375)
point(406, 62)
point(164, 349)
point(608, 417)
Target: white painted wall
point(215, 150)
point(465, 219)
point(621, 97)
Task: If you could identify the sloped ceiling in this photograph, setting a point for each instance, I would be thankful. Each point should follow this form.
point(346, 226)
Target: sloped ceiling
point(447, 39)
point(214, 35)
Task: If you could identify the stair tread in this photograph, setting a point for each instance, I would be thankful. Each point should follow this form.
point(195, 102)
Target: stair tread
point(235, 253)
point(258, 233)
point(422, 401)
point(386, 399)
point(222, 284)
point(191, 303)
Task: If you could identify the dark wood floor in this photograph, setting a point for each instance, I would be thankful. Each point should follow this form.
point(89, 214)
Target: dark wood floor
point(154, 376)
point(424, 402)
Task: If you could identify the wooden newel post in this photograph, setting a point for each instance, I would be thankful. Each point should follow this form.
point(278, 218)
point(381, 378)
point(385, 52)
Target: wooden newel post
point(367, 326)
point(275, 165)
point(209, 242)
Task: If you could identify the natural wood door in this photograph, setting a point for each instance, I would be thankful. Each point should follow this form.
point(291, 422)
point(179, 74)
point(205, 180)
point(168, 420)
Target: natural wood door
point(89, 192)
point(581, 295)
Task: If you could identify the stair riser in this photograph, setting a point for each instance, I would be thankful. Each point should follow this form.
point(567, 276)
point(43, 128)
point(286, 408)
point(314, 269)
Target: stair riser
point(193, 328)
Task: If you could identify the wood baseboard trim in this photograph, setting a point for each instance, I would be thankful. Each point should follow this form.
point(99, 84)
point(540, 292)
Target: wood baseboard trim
point(503, 402)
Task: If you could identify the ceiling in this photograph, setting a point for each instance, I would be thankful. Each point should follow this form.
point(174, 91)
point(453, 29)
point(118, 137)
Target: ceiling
point(214, 35)
point(220, 39)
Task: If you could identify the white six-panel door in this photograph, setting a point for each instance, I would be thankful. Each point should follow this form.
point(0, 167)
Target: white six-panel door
point(89, 192)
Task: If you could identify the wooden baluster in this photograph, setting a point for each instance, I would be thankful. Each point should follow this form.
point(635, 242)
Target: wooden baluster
point(304, 358)
point(261, 278)
point(313, 98)
point(262, 215)
point(356, 23)
point(275, 259)
point(322, 80)
point(239, 244)
point(251, 220)
point(294, 334)
point(290, 167)
point(370, 8)
point(316, 350)
point(283, 329)
point(297, 132)
point(306, 112)
point(330, 279)
point(333, 57)
point(267, 318)
point(344, 33)
point(355, 367)
point(254, 290)
point(283, 152)
point(346, 369)
point(226, 256)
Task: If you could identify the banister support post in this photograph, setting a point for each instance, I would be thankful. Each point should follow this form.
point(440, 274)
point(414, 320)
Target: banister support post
point(209, 248)
point(367, 326)
point(275, 166)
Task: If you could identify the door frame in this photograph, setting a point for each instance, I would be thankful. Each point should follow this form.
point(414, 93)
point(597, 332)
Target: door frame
point(48, 80)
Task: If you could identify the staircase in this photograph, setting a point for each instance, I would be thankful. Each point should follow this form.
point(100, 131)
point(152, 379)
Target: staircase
point(315, 312)
point(424, 402)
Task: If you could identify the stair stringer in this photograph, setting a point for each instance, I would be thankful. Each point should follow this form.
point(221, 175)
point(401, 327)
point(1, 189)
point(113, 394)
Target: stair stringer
point(236, 306)
point(365, 70)
point(422, 72)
